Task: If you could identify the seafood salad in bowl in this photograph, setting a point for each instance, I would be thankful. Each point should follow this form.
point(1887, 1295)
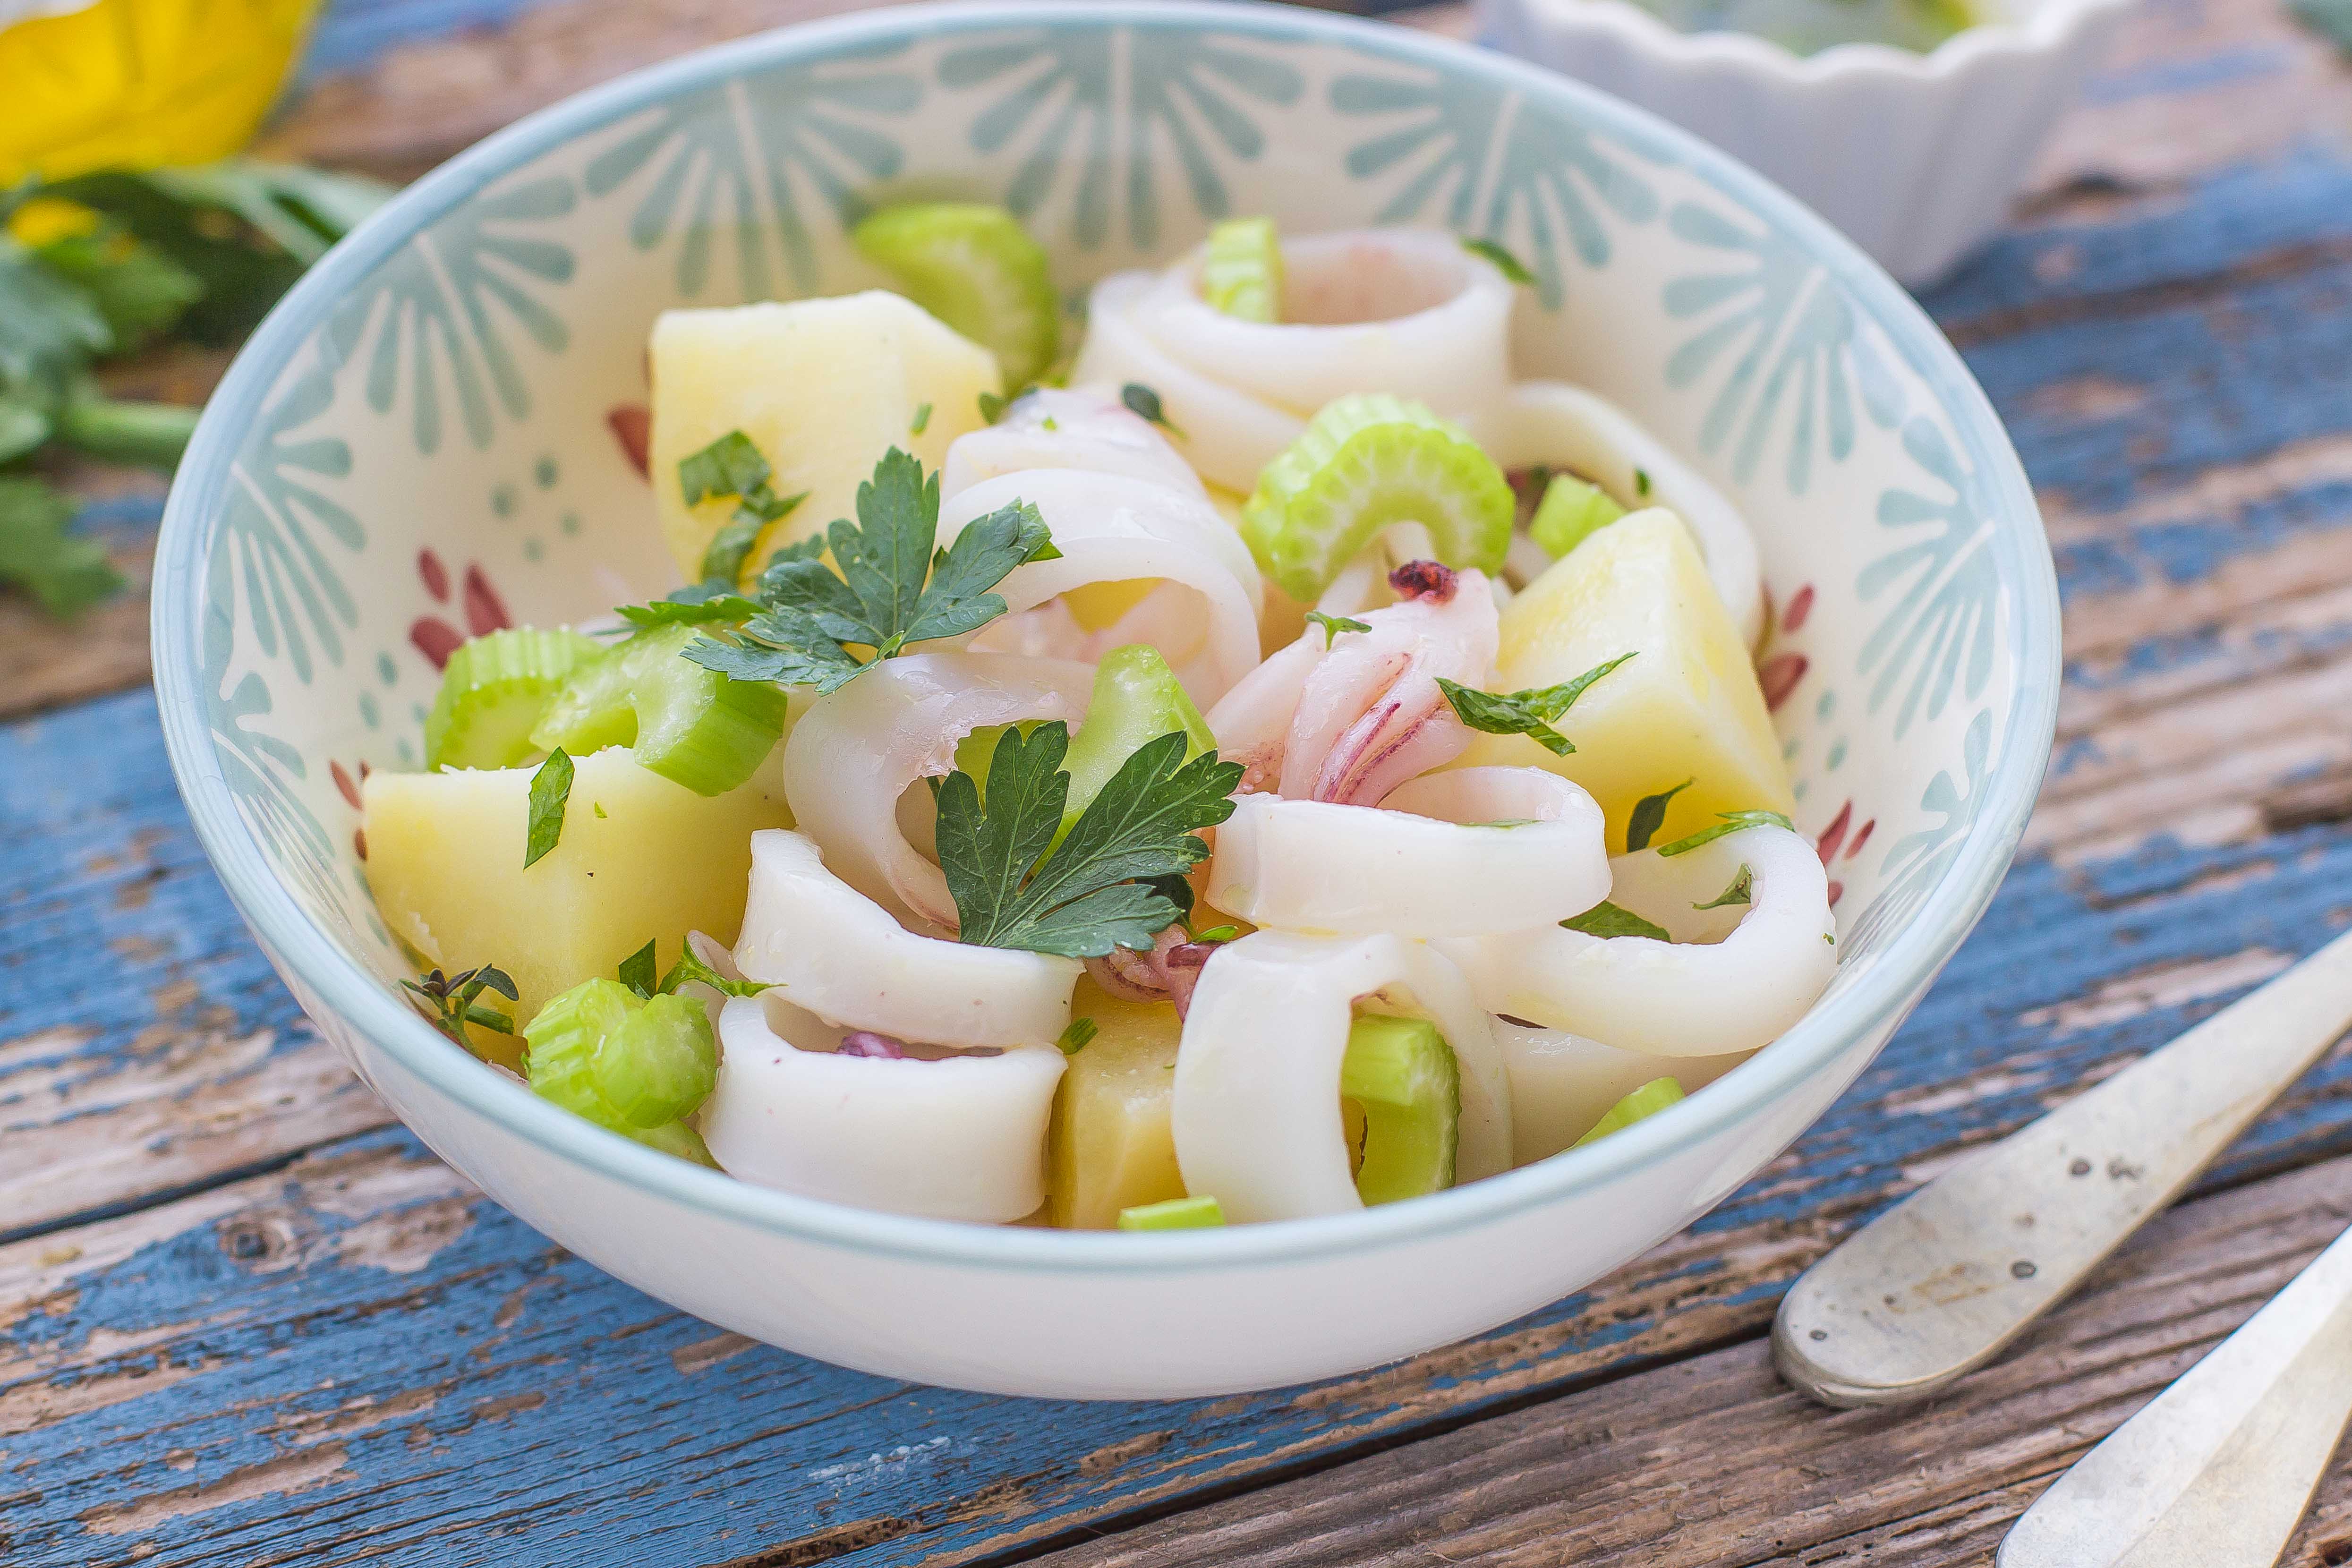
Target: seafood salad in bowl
point(1254, 690)
point(1262, 759)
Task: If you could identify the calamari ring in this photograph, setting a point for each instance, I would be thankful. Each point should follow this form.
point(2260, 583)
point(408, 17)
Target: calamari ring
point(1562, 1083)
point(1426, 863)
point(961, 1137)
point(1051, 429)
point(1690, 997)
point(1257, 1110)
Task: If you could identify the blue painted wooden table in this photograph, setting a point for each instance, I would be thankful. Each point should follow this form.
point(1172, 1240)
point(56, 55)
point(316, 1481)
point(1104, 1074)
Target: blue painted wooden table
point(245, 1319)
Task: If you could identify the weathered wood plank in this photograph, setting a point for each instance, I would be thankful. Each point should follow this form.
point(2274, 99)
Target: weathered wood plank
point(1713, 1460)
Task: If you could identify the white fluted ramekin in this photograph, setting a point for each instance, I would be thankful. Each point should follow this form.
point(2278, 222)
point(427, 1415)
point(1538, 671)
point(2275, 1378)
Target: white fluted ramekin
point(1914, 156)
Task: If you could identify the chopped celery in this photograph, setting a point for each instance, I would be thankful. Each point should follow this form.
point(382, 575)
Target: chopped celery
point(1176, 1213)
point(976, 270)
point(691, 725)
point(977, 750)
point(1364, 462)
point(1647, 1100)
point(1401, 1073)
point(661, 1063)
point(1136, 699)
point(493, 690)
point(1571, 511)
point(1241, 275)
point(569, 1040)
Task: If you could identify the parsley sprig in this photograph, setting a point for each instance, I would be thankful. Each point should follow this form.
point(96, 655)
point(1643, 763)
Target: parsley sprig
point(1013, 887)
point(888, 586)
point(448, 1000)
point(1333, 624)
point(636, 973)
point(1531, 712)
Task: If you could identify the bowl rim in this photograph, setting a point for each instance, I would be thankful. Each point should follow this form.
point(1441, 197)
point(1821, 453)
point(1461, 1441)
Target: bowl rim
point(2048, 27)
point(365, 1005)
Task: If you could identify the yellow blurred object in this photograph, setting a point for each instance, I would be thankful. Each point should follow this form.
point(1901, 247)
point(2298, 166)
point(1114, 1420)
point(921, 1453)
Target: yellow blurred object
point(140, 83)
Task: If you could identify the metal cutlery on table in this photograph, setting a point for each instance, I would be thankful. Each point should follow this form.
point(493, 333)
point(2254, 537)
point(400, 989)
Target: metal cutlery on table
point(2216, 1472)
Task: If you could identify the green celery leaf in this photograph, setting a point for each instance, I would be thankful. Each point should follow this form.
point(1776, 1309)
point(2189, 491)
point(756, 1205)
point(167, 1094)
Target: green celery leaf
point(1733, 821)
point(550, 789)
point(1531, 712)
point(1605, 919)
point(1649, 815)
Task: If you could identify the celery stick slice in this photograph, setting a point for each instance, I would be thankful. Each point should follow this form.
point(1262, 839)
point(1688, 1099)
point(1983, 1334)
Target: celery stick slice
point(691, 725)
point(1571, 511)
point(1175, 1214)
point(1364, 462)
point(567, 1039)
point(493, 690)
point(1647, 1100)
point(976, 268)
point(1241, 275)
point(1136, 699)
point(1403, 1074)
point(661, 1063)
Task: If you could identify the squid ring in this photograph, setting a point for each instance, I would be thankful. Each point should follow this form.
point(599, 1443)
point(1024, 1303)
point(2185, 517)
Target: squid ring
point(1687, 997)
point(1257, 1110)
point(1472, 852)
point(1563, 1083)
point(839, 954)
point(958, 1137)
point(855, 751)
point(1051, 429)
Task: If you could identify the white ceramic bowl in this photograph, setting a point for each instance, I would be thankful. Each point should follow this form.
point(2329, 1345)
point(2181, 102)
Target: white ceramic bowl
point(415, 444)
point(1914, 156)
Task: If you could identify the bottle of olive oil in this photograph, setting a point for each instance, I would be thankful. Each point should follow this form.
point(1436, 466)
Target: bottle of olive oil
point(138, 83)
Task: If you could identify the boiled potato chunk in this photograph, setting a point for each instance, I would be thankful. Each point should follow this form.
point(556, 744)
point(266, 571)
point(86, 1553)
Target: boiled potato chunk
point(823, 387)
point(1686, 707)
point(1110, 1147)
point(444, 860)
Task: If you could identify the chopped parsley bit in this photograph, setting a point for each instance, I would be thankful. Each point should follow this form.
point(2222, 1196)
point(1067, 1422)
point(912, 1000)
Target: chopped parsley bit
point(1742, 890)
point(1649, 815)
point(1640, 481)
point(1509, 265)
point(1218, 933)
point(1015, 887)
point(1733, 821)
point(636, 971)
point(732, 466)
point(448, 1000)
point(1144, 403)
point(1605, 919)
point(922, 418)
point(1074, 1039)
point(993, 407)
point(600, 809)
point(1828, 938)
point(551, 787)
point(1333, 624)
point(1052, 423)
point(689, 968)
point(889, 586)
point(1531, 713)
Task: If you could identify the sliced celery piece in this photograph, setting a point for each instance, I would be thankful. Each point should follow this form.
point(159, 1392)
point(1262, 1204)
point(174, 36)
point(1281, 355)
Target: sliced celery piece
point(976, 751)
point(1647, 1100)
point(1136, 699)
point(566, 1041)
point(691, 725)
point(1241, 275)
point(1364, 462)
point(1175, 1214)
point(1571, 511)
point(493, 690)
point(1403, 1074)
point(661, 1063)
point(976, 268)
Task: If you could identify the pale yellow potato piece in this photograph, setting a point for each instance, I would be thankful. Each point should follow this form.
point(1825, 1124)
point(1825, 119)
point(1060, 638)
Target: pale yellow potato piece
point(444, 860)
point(1110, 1147)
point(1686, 706)
point(823, 387)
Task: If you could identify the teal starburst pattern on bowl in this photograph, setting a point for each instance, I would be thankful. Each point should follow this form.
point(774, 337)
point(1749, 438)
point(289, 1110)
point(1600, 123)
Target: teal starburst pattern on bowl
point(1939, 633)
point(262, 771)
point(281, 531)
point(1916, 862)
point(442, 308)
point(1536, 184)
point(1056, 93)
point(1792, 344)
point(744, 159)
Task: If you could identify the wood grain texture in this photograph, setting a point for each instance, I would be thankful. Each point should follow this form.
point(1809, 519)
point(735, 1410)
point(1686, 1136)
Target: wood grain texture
point(1713, 1460)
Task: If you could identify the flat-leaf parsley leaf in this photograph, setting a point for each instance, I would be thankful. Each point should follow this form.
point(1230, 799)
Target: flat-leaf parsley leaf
point(1733, 821)
point(1531, 713)
point(1013, 887)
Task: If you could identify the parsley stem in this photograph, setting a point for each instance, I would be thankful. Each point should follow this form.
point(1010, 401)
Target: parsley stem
point(154, 434)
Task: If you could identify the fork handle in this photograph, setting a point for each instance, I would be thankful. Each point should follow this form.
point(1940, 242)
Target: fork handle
point(1942, 1283)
